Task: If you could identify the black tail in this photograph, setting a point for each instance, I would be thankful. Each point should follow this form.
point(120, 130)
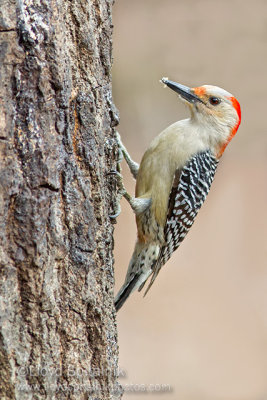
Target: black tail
point(125, 291)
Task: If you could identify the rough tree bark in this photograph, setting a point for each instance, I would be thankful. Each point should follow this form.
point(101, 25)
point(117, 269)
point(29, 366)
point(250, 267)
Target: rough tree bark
point(58, 331)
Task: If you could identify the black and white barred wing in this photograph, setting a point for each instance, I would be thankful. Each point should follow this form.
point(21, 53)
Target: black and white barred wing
point(189, 191)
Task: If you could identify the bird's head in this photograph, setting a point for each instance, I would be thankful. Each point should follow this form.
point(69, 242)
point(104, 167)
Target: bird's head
point(214, 109)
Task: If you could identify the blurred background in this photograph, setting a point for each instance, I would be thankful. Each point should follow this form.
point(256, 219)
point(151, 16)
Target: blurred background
point(201, 332)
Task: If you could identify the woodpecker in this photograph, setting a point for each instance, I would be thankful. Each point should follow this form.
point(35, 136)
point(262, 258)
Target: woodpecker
point(174, 178)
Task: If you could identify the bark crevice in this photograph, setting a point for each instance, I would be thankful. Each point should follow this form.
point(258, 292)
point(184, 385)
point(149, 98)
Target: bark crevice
point(57, 142)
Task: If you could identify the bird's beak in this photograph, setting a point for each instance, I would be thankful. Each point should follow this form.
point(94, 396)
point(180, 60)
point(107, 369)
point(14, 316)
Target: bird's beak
point(184, 91)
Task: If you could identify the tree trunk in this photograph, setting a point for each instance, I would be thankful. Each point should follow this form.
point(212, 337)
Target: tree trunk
point(58, 337)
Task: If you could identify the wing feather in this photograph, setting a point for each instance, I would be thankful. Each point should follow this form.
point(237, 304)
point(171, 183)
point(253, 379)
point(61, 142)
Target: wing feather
point(189, 191)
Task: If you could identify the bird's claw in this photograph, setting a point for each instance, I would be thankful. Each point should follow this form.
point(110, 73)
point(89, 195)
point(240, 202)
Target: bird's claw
point(121, 149)
point(121, 192)
point(123, 154)
point(114, 172)
point(117, 212)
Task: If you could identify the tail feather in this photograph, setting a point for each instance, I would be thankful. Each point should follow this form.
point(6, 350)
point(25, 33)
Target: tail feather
point(152, 280)
point(139, 270)
point(125, 291)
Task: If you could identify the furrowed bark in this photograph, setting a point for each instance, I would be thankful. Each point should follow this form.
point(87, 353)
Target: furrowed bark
point(58, 337)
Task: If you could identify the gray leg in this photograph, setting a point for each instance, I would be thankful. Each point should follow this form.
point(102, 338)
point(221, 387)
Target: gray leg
point(134, 167)
point(122, 192)
point(138, 205)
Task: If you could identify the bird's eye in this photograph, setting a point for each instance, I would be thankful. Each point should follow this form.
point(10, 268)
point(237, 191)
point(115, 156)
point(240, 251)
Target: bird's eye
point(214, 101)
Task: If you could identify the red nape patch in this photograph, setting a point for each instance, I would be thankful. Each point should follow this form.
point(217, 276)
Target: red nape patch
point(237, 107)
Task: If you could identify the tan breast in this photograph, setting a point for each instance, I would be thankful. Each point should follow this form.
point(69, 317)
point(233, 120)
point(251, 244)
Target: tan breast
point(168, 152)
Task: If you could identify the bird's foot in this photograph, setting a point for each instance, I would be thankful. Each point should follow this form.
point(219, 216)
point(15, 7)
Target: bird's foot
point(123, 153)
point(122, 192)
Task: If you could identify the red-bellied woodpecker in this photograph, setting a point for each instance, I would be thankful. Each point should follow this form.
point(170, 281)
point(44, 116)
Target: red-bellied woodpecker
point(174, 179)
